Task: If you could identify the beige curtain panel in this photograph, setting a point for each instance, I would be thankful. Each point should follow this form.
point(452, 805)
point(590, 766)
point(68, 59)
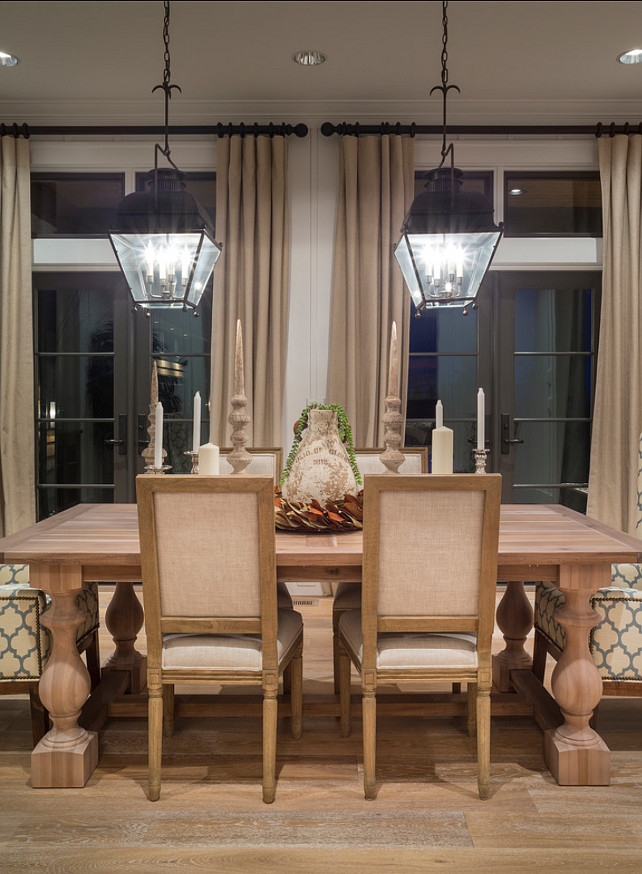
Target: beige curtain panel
point(17, 478)
point(368, 293)
point(251, 284)
point(617, 419)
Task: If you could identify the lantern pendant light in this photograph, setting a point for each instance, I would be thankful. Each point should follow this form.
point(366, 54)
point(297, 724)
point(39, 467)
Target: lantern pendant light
point(164, 239)
point(449, 238)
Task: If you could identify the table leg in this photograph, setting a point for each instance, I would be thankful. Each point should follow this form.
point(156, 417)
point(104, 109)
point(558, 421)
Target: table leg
point(124, 619)
point(515, 620)
point(67, 754)
point(575, 754)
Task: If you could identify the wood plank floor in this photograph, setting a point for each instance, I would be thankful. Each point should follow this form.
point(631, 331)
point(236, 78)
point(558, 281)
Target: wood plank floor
point(427, 815)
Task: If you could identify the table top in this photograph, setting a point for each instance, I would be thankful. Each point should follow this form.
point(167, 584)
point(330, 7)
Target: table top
point(530, 535)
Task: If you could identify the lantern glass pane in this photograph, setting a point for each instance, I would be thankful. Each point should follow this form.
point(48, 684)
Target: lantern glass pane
point(164, 268)
point(445, 269)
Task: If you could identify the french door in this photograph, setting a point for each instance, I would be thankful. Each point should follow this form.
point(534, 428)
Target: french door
point(93, 367)
point(545, 352)
point(532, 346)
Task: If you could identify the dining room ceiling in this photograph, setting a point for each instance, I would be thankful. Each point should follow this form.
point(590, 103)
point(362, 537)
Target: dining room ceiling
point(516, 63)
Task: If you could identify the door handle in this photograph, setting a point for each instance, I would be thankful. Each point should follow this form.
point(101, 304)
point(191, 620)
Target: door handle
point(507, 441)
point(143, 422)
point(121, 441)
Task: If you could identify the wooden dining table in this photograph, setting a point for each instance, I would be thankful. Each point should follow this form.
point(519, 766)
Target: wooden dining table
point(99, 542)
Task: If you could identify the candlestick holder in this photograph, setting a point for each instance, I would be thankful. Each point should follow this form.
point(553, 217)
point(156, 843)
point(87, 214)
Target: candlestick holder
point(157, 471)
point(480, 460)
point(194, 457)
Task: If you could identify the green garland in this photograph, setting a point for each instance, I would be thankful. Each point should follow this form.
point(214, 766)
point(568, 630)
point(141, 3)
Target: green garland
point(345, 433)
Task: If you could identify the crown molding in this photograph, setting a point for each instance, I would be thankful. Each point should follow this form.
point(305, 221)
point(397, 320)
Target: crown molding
point(200, 112)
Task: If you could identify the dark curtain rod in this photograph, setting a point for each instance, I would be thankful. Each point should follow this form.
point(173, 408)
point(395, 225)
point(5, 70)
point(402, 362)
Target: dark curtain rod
point(220, 130)
point(345, 129)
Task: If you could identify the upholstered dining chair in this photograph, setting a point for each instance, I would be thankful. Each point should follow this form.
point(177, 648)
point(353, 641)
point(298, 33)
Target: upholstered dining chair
point(615, 643)
point(348, 594)
point(265, 460)
point(209, 585)
point(428, 604)
point(25, 643)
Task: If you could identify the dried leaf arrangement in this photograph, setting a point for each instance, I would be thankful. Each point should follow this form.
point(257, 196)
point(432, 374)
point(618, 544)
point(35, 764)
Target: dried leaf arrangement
point(346, 515)
point(345, 433)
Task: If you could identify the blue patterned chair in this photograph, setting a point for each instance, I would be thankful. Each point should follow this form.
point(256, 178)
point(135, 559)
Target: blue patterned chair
point(616, 641)
point(25, 643)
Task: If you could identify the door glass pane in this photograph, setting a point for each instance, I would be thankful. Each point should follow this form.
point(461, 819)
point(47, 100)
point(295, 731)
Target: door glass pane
point(551, 320)
point(552, 392)
point(74, 204)
point(81, 336)
point(553, 386)
point(444, 330)
point(75, 320)
point(181, 349)
point(75, 452)
point(443, 366)
point(78, 386)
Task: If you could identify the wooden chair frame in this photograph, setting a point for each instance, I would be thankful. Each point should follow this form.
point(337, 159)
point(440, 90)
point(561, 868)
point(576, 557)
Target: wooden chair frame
point(337, 612)
point(479, 679)
point(160, 680)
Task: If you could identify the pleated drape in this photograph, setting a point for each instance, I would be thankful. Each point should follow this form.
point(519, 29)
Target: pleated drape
point(251, 283)
point(368, 293)
point(617, 418)
point(17, 478)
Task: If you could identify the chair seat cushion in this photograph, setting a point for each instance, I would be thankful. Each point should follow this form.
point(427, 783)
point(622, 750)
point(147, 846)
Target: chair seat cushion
point(412, 650)
point(615, 643)
point(347, 597)
point(239, 652)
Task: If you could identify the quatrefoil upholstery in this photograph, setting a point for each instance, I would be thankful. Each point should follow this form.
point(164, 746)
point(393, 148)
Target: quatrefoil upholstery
point(25, 643)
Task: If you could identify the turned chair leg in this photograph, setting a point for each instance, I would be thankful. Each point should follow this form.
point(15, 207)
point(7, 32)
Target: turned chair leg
point(270, 712)
point(483, 742)
point(154, 733)
point(539, 655)
point(369, 714)
point(92, 654)
point(296, 694)
point(472, 710)
point(168, 709)
point(344, 690)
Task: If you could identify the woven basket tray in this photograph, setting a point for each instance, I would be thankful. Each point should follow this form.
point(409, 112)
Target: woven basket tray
point(345, 515)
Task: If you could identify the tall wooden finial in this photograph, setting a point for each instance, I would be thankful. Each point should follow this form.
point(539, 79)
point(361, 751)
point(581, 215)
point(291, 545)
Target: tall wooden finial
point(393, 420)
point(149, 451)
point(239, 457)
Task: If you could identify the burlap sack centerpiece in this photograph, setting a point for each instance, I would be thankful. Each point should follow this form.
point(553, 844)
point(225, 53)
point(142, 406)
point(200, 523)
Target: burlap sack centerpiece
point(320, 485)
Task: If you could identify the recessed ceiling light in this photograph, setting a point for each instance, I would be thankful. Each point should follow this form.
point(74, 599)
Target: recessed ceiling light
point(632, 57)
point(7, 60)
point(309, 58)
point(515, 192)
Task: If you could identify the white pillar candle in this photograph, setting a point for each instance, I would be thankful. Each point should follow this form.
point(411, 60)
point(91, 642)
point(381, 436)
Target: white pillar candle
point(481, 437)
point(196, 433)
point(442, 451)
point(158, 437)
point(208, 456)
point(439, 415)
